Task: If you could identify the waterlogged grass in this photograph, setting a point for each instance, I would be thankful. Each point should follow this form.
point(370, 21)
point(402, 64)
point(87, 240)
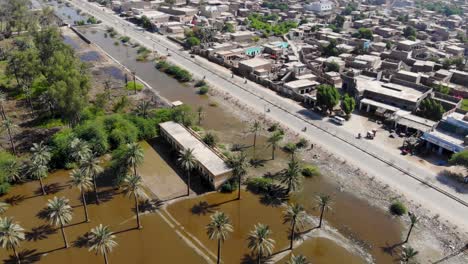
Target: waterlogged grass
point(465, 104)
point(51, 123)
point(131, 86)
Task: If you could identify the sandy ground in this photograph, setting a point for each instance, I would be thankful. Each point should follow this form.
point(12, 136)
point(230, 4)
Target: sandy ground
point(434, 239)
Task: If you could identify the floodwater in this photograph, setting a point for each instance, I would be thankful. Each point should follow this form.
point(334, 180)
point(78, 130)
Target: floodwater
point(370, 227)
point(194, 215)
point(353, 217)
point(67, 14)
point(156, 241)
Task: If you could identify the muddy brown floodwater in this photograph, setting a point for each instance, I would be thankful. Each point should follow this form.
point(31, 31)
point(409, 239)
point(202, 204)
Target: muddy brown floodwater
point(194, 215)
point(371, 227)
point(44, 244)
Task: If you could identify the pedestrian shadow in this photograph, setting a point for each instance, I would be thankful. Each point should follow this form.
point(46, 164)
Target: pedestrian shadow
point(41, 232)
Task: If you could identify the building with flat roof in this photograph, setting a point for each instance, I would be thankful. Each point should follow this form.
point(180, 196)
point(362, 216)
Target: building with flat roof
point(450, 135)
point(211, 166)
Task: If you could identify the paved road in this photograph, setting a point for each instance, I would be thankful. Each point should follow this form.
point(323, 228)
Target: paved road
point(388, 168)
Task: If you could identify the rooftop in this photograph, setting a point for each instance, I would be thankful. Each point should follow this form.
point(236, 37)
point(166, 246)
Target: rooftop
point(365, 83)
point(202, 153)
point(255, 62)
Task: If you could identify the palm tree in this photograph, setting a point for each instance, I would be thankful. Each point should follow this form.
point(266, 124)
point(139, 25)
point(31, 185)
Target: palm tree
point(10, 127)
point(133, 187)
point(40, 153)
point(90, 167)
point(101, 240)
point(219, 229)
point(84, 183)
point(80, 149)
point(299, 259)
point(256, 126)
point(59, 213)
point(143, 109)
point(134, 155)
point(11, 233)
point(2, 103)
point(414, 220)
point(238, 164)
point(295, 215)
point(187, 162)
point(292, 177)
point(273, 142)
point(38, 171)
point(323, 201)
point(291, 148)
point(13, 170)
point(259, 242)
point(3, 207)
point(200, 114)
point(408, 254)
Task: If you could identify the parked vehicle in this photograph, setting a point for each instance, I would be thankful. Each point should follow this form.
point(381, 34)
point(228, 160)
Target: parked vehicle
point(338, 120)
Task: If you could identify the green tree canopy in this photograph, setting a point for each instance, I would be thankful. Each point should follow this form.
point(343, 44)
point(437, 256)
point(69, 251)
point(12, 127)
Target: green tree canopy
point(348, 104)
point(364, 33)
point(327, 96)
point(409, 31)
point(431, 109)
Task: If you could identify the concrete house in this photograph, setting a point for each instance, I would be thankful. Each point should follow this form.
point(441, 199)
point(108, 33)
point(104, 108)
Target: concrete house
point(209, 163)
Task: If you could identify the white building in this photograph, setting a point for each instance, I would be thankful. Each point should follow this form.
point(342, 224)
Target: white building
point(319, 6)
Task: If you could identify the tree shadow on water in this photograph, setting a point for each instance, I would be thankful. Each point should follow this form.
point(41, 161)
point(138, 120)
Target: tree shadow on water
point(15, 199)
point(150, 205)
point(202, 208)
point(274, 196)
point(82, 241)
point(392, 249)
point(249, 259)
point(52, 188)
point(26, 256)
point(41, 232)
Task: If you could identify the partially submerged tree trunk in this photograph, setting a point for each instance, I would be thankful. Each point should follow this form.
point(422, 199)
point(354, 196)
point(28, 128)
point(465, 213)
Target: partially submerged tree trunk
point(63, 235)
point(42, 186)
point(137, 212)
point(85, 206)
point(95, 189)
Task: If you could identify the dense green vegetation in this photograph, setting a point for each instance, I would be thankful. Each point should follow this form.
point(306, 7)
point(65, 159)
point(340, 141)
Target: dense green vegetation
point(261, 23)
point(440, 7)
point(398, 208)
point(49, 75)
point(275, 4)
point(134, 86)
point(327, 96)
point(180, 74)
point(364, 33)
point(348, 104)
point(431, 109)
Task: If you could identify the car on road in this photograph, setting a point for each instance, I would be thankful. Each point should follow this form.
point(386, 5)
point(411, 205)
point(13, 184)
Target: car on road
point(338, 120)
